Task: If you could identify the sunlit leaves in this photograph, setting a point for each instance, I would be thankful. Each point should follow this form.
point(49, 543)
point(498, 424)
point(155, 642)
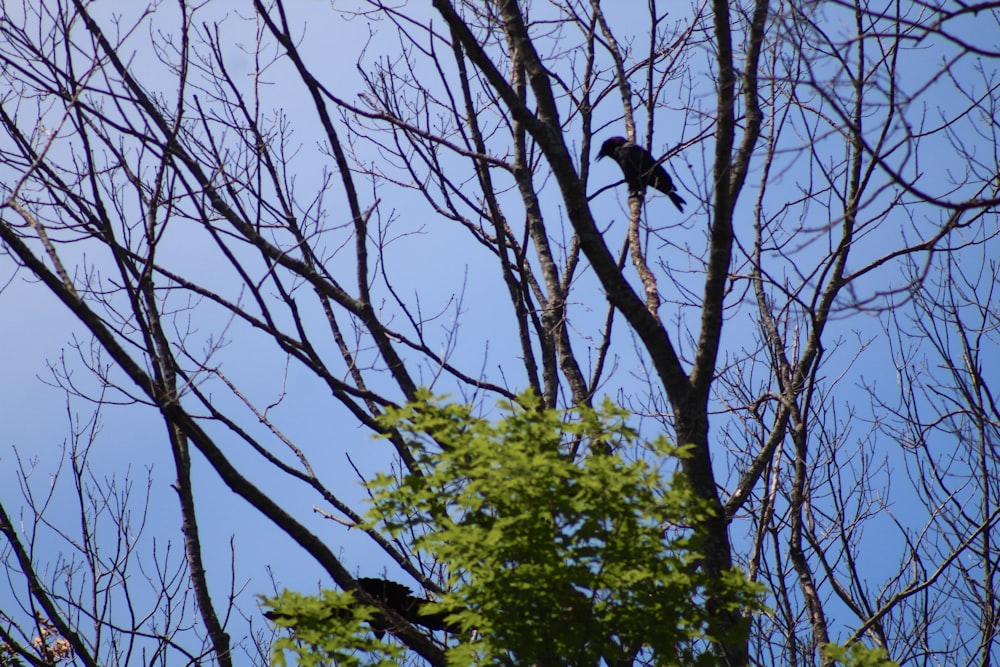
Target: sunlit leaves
point(329, 629)
point(554, 558)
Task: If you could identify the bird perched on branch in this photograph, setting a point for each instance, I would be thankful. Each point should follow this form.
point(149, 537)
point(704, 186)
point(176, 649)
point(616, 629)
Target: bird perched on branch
point(640, 169)
point(400, 599)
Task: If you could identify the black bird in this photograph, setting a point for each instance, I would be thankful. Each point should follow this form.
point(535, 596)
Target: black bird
point(401, 600)
point(640, 169)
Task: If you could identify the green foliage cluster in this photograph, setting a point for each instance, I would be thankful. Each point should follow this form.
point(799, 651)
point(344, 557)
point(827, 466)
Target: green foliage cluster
point(327, 629)
point(559, 549)
point(565, 540)
point(857, 655)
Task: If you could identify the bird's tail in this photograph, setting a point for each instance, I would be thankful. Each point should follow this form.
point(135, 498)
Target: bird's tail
point(662, 182)
point(677, 200)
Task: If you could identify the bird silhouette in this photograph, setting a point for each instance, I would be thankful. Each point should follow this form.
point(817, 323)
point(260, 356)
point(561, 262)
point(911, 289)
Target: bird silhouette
point(641, 170)
point(398, 598)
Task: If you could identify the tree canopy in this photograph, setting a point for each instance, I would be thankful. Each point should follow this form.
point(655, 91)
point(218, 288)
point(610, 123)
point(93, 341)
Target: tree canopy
point(551, 558)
